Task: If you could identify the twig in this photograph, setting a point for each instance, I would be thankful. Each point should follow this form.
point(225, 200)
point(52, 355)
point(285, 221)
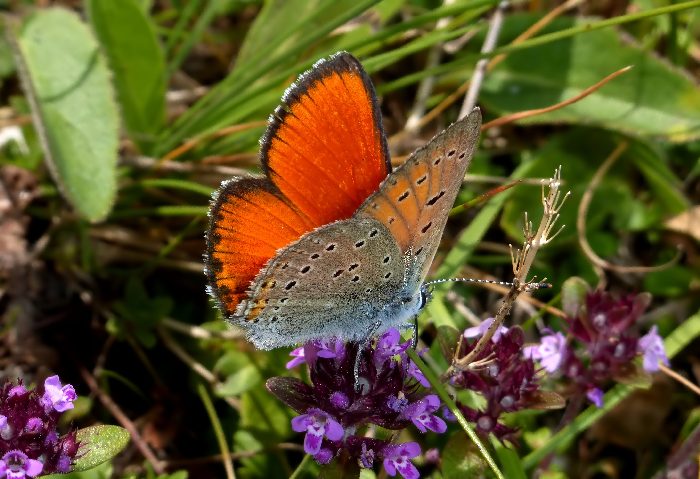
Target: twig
point(425, 87)
point(599, 263)
point(539, 111)
point(147, 163)
point(444, 104)
point(117, 413)
point(680, 379)
point(194, 365)
point(198, 332)
point(522, 260)
point(480, 70)
point(189, 144)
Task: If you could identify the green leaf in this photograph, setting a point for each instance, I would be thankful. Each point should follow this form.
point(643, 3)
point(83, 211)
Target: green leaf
point(510, 463)
point(653, 99)
point(573, 295)
point(99, 444)
point(66, 79)
point(240, 372)
point(103, 471)
point(460, 460)
point(129, 41)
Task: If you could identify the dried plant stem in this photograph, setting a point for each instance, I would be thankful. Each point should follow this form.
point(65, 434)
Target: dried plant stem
point(480, 70)
point(194, 365)
point(600, 265)
point(457, 94)
point(522, 260)
point(122, 418)
point(189, 144)
point(540, 111)
point(425, 87)
point(680, 379)
point(198, 332)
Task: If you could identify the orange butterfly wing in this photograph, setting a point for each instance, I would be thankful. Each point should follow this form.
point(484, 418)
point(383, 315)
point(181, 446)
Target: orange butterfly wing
point(324, 152)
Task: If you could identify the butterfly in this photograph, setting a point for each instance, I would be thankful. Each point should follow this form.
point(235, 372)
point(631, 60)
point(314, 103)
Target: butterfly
point(331, 243)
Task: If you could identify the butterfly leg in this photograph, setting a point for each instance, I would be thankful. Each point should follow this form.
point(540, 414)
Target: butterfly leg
point(414, 332)
point(360, 348)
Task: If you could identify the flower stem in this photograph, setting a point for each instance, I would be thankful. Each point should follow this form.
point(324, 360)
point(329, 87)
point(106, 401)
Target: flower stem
point(301, 467)
point(449, 402)
point(218, 431)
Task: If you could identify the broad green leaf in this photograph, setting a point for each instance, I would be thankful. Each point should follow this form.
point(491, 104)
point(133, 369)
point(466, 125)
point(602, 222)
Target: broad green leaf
point(653, 99)
point(510, 463)
point(240, 373)
point(460, 459)
point(99, 444)
point(103, 471)
point(67, 81)
point(129, 41)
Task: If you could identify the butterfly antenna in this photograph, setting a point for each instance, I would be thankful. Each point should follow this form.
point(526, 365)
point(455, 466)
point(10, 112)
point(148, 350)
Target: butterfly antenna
point(529, 286)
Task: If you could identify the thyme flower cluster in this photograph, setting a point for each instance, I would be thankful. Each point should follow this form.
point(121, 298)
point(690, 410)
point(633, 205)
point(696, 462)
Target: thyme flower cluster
point(29, 441)
point(335, 410)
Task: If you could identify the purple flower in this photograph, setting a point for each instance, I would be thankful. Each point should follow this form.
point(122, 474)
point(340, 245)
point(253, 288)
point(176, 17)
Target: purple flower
point(332, 408)
point(508, 383)
point(421, 413)
point(417, 374)
point(57, 397)
point(651, 345)
point(550, 352)
point(317, 424)
point(17, 465)
point(396, 458)
point(390, 345)
point(298, 358)
point(479, 330)
point(324, 456)
point(29, 442)
point(595, 395)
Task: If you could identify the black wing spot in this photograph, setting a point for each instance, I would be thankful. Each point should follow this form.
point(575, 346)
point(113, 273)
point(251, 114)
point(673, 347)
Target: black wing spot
point(274, 319)
point(434, 199)
point(283, 300)
point(404, 195)
point(427, 227)
point(355, 279)
point(353, 266)
point(290, 285)
point(373, 233)
point(387, 258)
point(451, 153)
point(315, 256)
point(337, 273)
point(285, 266)
point(391, 220)
point(388, 275)
point(418, 251)
point(305, 269)
point(393, 181)
point(360, 244)
point(276, 308)
point(461, 155)
point(368, 290)
point(421, 180)
point(437, 162)
point(330, 247)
